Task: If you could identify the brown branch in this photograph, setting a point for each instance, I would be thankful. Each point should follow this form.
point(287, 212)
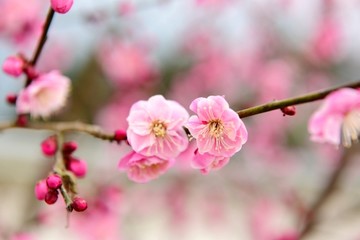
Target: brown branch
point(325, 194)
point(42, 41)
point(99, 133)
point(63, 127)
point(311, 97)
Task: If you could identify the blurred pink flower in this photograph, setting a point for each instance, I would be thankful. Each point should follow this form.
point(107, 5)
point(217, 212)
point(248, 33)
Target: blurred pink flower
point(338, 119)
point(142, 169)
point(22, 236)
point(119, 104)
point(45, 95)
point(269, 220)
point(61, 6)
point(327, 40)
point(126, 63)
point(156, 127)
point(20, 20)
point(218, 130)
point(212, 2)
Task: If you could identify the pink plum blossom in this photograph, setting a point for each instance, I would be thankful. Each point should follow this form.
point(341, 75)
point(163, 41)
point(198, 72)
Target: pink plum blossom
point(61, 6)
point(217, 129)
point(156, 127)
point(327, 41)
point(142, 169)
point(45, 95)
point(207, 162)
point(338, 119)
point(126, 63)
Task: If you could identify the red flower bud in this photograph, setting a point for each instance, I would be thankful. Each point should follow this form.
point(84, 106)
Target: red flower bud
point(54, 181)
point(289, 110)
point(13, 66)
point(120, 135)
point(61, 6)
point(41, 189)
point(21, 120)
point(49, 146)
point(79, 204)
point(78, 167)
point(51, 196)
point(11, 98)
point(69, 147)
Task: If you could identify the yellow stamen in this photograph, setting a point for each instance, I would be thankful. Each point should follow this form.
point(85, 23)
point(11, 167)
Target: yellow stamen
point(215, 128)
point(158, 128)
point(350, 129)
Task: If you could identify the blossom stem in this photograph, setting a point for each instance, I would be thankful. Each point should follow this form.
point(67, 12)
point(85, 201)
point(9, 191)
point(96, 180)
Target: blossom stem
point(60, 169)
point(277, 104)
point(42, 40)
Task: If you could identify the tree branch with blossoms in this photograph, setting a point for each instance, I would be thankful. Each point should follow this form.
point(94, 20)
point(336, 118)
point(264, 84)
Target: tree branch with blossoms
point(161, 130)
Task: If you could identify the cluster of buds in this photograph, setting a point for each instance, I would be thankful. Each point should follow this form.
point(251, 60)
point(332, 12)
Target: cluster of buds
point(76, 166)
point(48, 190)
point(62, 181)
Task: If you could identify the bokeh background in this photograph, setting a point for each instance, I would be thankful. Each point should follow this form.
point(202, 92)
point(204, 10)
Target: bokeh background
point(251, 51)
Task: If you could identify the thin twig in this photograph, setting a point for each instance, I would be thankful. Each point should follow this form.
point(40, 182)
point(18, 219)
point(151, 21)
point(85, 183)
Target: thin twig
point(42, 40)
point(311, 97)
point(325, 194)
point(63, 127)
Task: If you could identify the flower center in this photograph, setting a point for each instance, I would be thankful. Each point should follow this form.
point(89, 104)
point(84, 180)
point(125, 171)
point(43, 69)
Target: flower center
point(215, 128)
point(350, 129)
point(158, 128)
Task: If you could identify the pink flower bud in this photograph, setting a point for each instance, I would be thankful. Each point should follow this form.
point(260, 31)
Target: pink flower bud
point(79, 204)
point(61, 6)
point(78, 167)
point(31, 72)
point(49, 146)
point(21, 120)
point(54, 181)
point(51, 196)
point(69, 147)
point(13, 66)
point(120, 135)
point(41, 189)
point(11, 98)
point(290, 110)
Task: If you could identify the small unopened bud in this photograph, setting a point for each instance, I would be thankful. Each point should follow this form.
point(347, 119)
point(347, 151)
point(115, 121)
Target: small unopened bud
point(120, 135)
point(49, 146)
point(78, 167)
point(21, 120)
point(31, 72)
point(13, 66)
point(79, 204)
point(289, 110)
point(11, 98)
point(69, 147)
point(51, 196)
point(41, 189)
point(61, 6)
point(53, 181)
